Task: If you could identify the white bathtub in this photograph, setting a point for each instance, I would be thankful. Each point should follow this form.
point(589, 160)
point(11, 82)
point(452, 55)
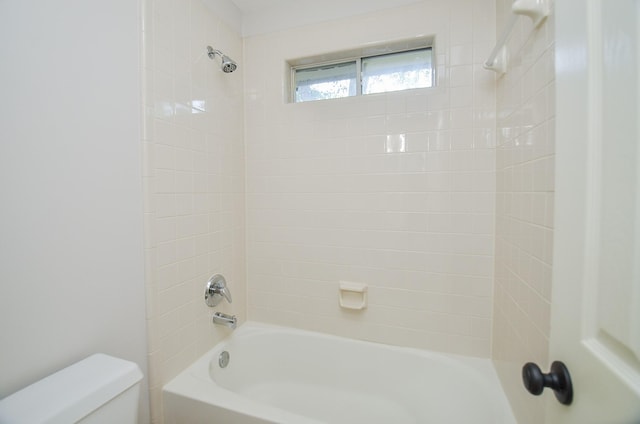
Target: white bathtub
point(283, 375)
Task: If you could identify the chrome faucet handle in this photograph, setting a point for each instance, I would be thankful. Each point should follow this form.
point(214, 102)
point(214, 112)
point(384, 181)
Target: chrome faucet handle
point(215, 290)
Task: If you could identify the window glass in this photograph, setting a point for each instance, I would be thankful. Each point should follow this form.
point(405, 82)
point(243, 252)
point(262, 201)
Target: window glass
point(358, 74)
point(325, 82)
point(397, 71)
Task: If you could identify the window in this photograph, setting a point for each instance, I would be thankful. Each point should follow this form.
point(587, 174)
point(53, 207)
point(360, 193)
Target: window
point(397, 71)
point(363, 75)
point(326, 82)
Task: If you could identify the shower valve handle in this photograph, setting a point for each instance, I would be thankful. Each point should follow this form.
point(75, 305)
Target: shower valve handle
point(557, 379)
point(215, 290)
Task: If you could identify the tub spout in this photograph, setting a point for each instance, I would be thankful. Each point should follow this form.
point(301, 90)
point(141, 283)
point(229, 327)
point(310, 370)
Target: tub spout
point(224, 319)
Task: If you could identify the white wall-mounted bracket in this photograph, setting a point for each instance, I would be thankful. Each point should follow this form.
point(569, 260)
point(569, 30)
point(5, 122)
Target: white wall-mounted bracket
point(536, 10)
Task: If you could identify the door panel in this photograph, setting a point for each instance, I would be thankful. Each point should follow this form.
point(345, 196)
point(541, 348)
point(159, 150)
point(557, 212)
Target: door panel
point(618, 191)
point(596, 293)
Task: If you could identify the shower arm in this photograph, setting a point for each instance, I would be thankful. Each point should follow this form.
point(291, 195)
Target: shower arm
point(213, 52)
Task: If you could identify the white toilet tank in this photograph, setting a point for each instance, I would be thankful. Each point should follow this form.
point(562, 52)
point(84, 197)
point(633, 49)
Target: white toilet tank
point(100, 389)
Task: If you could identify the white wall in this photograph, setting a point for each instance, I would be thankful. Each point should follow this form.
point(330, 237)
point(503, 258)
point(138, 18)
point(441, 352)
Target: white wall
point(71, 274)
point(330, 197)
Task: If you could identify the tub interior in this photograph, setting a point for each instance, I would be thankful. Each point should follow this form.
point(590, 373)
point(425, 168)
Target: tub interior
point(298, 376)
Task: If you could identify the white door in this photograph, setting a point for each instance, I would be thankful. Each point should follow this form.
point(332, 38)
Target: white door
point(595, 327)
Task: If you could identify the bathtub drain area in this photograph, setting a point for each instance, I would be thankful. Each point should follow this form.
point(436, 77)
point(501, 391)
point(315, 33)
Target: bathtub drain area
point(223, 359)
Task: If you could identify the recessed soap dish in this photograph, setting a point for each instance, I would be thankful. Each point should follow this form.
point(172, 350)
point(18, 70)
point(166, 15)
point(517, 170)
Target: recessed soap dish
point(353, 295)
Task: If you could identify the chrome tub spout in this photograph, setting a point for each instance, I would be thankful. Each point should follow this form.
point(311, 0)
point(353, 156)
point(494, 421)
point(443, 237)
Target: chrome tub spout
point(227, 320)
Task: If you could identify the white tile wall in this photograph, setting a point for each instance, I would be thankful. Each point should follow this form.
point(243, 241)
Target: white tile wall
point(393, 190)
point(524, 209)
point(399, 191)
point(194, 182)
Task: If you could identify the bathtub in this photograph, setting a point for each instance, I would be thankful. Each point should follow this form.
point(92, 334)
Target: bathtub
point(282, 375)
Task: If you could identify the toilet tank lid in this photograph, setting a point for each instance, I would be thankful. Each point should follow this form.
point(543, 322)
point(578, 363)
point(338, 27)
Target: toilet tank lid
point(71, 393)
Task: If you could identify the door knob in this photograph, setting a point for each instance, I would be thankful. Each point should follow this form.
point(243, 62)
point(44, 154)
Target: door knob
point(557, 379)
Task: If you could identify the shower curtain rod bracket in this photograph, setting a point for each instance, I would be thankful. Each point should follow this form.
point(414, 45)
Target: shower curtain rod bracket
point(536, 10)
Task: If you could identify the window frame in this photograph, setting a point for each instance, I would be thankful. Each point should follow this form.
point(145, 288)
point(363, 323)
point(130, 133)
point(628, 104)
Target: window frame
point(423, 43)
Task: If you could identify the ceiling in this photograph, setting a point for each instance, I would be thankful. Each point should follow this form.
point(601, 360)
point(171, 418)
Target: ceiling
point(261, 16)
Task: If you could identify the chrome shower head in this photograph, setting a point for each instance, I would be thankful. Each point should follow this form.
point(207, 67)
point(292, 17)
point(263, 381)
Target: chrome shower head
point(228, 65)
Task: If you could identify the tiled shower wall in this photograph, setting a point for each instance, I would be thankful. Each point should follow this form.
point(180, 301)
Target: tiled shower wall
point(396, 191)
point(194, 183)
point(524, 208)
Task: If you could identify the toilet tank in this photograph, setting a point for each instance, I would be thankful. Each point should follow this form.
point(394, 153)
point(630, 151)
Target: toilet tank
point(100, 389)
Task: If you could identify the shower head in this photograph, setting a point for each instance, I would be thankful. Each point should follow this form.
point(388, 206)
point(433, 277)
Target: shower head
point(228, 65)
